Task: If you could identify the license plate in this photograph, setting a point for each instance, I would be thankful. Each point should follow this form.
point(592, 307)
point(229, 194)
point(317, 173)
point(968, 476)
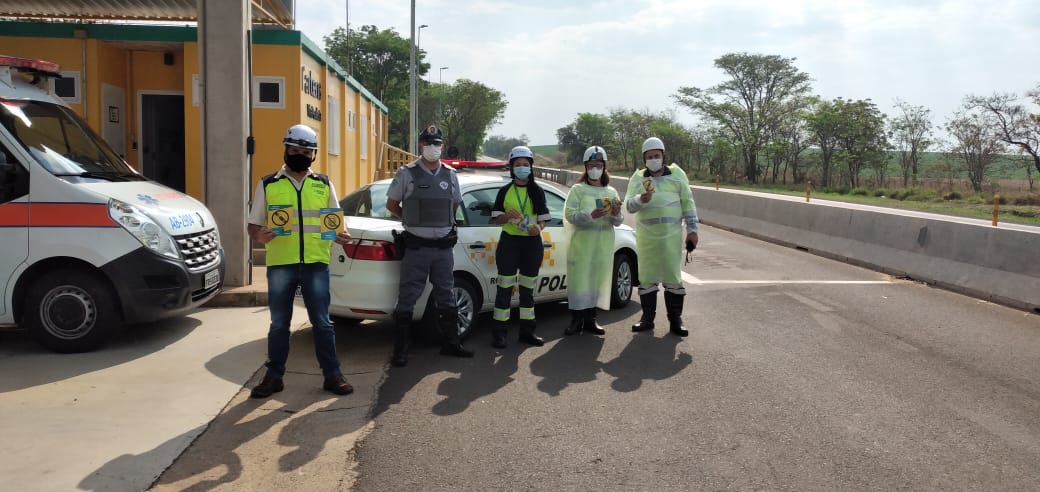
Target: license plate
point(212, 278)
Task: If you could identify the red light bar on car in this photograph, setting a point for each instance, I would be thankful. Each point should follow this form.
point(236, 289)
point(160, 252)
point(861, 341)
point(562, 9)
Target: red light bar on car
point(29, 64)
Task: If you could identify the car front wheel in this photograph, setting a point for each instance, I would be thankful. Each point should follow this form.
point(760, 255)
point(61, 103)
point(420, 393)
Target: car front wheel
point(71, 311)
point(468, 301)
point(624, 278)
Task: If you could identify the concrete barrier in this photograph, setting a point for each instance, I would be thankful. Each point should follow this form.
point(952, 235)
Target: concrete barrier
point(1000, 264)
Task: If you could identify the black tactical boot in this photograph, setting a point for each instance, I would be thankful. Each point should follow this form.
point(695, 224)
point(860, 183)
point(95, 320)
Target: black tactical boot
point(673, 304)
point(403, 323)
point(498, 334)
point(527, 333)
point(649, 304)
point(451, 342)
point(590, 324)
point(577, 319)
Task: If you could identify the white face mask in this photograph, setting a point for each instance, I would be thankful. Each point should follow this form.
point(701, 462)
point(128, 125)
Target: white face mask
point(595, 173)
point(431, 152)
point(654, 165)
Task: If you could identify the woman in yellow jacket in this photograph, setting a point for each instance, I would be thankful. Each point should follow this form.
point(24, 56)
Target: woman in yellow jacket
point(590, 214)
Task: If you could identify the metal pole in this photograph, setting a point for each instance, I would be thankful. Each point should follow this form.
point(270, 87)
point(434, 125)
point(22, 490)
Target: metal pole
point(346, 41)
point(440, 78)
point(412, 132)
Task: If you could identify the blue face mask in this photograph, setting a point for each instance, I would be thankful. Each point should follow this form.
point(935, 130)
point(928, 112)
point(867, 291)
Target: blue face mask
point(522, 172)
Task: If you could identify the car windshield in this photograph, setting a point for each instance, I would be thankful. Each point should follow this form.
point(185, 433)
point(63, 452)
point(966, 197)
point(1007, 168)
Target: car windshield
point(367, 201)
point(61, 142)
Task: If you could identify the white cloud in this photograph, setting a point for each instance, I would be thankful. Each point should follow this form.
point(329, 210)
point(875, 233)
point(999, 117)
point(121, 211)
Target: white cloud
point(554, 59)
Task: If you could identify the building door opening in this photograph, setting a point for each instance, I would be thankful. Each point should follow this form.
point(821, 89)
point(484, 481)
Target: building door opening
point(162, 139)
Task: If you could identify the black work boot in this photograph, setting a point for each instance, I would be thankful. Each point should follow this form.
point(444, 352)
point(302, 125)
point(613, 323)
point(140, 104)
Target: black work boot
point(498, 334)
point(527, 333)
point(673, 306)
point(590, 324)
point(403, 323)
point(577, 319)
point(451, 342)
point(267, 387)
point(649, 304)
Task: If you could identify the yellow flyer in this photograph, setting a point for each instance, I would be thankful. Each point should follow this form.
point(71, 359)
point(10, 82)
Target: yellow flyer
point(648, 185)
point(331, 222)
point(280, 219)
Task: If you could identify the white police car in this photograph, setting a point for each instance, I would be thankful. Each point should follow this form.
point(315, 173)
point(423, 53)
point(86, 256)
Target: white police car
point(365, 272)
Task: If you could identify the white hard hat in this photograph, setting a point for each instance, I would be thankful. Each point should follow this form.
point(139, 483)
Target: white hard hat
point(521, 151)
point(301, 136)
point(594, 153)
point(653, 143)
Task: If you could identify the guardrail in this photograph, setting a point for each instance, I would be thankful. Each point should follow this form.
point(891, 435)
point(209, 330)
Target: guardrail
point(390, 159)
point(970, 256)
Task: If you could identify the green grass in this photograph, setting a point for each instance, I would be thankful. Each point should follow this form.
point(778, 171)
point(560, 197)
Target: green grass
point(546, 150)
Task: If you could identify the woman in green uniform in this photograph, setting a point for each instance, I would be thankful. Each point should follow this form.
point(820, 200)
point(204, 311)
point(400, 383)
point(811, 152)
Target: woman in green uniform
point(590, 214)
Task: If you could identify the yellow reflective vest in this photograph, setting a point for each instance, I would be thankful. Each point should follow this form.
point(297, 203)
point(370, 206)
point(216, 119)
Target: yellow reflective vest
point(302, 242)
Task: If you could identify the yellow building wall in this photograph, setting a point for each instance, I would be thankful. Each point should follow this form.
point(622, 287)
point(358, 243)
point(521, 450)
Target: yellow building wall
point(67, 53)
point(269, 124)
point(139, 71)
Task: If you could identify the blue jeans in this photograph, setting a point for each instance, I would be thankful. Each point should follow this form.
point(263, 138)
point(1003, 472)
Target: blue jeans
point(282, 281)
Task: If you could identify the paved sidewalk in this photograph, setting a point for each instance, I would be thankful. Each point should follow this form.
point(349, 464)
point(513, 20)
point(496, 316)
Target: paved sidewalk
point(254, 294)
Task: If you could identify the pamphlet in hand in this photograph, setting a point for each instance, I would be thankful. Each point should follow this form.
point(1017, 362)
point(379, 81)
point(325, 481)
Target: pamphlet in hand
point(331, 222)
point(280, 219)
point(648, 185)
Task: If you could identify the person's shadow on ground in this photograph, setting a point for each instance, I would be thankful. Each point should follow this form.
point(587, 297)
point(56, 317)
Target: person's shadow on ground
point(490, 371)
point(646, 357)
point(572, 360)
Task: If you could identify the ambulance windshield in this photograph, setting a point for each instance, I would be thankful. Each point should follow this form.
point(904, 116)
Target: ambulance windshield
point(61, 142)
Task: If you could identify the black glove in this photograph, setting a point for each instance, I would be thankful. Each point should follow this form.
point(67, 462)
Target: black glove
point(689, 250)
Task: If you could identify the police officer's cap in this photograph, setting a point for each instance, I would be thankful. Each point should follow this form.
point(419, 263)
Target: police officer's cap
point(431, 134)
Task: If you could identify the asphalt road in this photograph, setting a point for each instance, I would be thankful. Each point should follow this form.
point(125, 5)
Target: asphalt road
point(801, 373)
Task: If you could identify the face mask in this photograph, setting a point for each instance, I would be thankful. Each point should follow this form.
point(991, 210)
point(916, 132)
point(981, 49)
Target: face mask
point(297, 162)
point(595, 173)
point(431, 153)
point(522, 172)
point(654, 165)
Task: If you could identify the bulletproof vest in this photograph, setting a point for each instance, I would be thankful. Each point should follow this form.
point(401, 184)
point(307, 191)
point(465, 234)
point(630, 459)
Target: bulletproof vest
point(431, 202)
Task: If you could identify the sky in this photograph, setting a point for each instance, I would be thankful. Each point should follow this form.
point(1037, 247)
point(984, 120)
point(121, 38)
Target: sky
point(554, 59)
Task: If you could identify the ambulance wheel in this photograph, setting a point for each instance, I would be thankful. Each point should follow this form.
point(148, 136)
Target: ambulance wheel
point(468, 301)
point(71, 311)
point(622, 281)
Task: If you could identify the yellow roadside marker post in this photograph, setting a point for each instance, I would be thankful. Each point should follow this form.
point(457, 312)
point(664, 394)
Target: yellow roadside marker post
point(808, 186)
point(996, 208)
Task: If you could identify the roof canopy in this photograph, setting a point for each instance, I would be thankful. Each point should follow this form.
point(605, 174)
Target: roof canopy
point(264, 11)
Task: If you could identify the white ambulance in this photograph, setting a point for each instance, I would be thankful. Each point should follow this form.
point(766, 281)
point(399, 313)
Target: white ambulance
point(87, 244)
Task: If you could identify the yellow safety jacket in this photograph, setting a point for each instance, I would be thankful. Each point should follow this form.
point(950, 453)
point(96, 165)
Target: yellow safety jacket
point(304, 243)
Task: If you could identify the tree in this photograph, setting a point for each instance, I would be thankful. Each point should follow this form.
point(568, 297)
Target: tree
point(911, 131)
point(380, 61)
point(862, 137)
point(630, 129)
point(762, 89)
point(499, 146)
point(465, 111)
point(1012, 121)
point(824, 122)
point(588, 129)
point(975, 142)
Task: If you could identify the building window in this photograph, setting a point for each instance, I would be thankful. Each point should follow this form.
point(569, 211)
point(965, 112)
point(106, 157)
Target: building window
point(269, 92)
point(364, 137)
point(67, 87)
point(332, 126)
point(351, 120)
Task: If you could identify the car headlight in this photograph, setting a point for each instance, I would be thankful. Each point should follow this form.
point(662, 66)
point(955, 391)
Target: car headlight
point(141, 226)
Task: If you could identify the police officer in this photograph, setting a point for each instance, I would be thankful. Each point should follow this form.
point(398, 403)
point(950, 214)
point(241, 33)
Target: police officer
point(521, 211)
point(425, 194)
point(290, 201)
point(660, 197)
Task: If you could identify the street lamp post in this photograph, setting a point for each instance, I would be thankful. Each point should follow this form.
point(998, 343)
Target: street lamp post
point(440, 77)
